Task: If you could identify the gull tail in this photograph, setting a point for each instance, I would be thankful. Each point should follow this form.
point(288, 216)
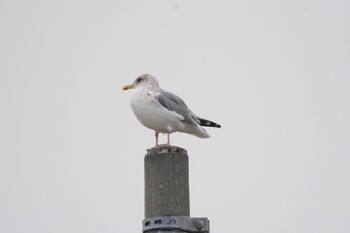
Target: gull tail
point(207, 123)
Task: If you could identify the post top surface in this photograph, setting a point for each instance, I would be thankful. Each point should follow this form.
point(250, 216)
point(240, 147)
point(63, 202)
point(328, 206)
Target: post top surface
point(166, 150)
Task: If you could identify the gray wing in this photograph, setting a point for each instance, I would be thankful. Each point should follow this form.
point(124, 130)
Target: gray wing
point(174, 103)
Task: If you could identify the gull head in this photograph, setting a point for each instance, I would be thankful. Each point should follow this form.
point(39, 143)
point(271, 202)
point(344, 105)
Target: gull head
point(145, 80)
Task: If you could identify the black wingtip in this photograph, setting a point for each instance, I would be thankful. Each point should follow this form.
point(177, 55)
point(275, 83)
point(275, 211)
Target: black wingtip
point(207, 123)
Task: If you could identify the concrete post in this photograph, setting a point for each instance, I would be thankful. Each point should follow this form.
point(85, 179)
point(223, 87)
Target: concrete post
point(166, 182)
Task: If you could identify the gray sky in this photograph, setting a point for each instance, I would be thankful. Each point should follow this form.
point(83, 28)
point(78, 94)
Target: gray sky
point(274, 74)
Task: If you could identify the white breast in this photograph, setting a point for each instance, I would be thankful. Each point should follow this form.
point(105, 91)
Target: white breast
point(153, 115)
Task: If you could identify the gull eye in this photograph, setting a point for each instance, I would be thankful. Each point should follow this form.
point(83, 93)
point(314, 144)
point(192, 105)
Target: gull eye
point(139, 79)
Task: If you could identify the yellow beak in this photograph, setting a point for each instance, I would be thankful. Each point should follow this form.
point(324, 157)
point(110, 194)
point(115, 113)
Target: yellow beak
point(127, 87)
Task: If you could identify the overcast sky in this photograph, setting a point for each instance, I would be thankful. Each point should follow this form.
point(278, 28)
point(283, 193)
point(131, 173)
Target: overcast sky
point(274, 74)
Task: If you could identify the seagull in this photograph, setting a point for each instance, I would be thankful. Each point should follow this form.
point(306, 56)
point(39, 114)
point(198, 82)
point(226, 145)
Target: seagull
point(163, 111)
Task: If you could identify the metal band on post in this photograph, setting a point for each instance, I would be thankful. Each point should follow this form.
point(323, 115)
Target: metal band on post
point(182, 223)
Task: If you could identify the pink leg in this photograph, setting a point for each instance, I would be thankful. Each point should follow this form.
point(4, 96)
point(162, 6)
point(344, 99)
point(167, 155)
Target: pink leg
point(156, 134)
point(168, 143)
point(168, 137)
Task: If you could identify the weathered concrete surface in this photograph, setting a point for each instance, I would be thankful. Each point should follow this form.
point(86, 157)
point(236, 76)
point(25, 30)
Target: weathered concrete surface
point(166, 182)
